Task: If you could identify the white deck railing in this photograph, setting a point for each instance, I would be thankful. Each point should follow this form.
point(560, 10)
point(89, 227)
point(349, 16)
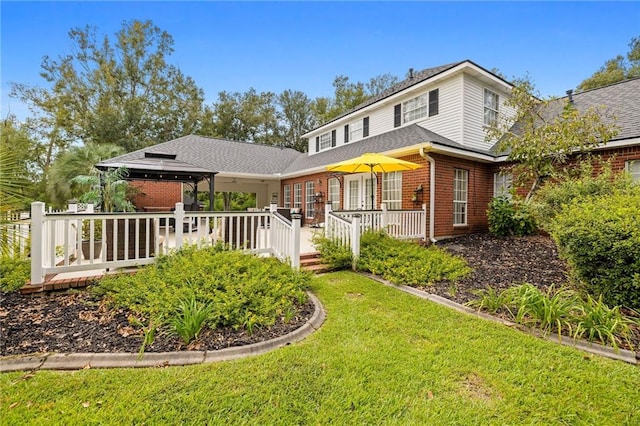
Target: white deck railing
point(116, 240)
point(338, 228)
point(401, 224)
point(14, 233)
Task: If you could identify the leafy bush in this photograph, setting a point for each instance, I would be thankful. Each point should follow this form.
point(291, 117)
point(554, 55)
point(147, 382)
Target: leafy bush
point(510, 217)
point(241, 289)
point(553, 196)
point(14, 272)
point(560, 310)
point(404, 262)
point(600, 238)
point(333, 254)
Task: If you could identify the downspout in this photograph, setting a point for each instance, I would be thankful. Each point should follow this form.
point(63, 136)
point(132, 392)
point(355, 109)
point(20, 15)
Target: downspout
point(432, 191)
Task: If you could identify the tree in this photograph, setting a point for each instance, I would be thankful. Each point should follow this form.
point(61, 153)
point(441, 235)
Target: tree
point(107, 190)
point(617, 69)
point(380, 83)
point(120, 91)
point(16, 171)
point(78, 161)
point(297, 117)
point(542, 134)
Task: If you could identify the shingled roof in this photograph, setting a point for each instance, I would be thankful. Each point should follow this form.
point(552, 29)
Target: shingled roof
point(620, 103)
point(220, 155)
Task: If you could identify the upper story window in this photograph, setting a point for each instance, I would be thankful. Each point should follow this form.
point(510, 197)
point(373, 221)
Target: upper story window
point(491, 100)
point(325, 141)
point(502, 184)
point(415, 108)
point(355, 130)
point(633, 167)
point(419, 107)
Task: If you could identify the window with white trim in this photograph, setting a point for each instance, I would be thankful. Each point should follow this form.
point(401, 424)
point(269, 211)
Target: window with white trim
point(297, 195)
point(325, 141)
point(491, 101)
point(310, 199)
point(392, 190)
point(355, 130)
point(287, 196)
point(633, 167)
point(502, 184)
point(460, 187)
point(334, 193)
point(415, 108)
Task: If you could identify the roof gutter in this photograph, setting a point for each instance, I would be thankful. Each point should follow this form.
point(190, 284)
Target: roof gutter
point(432, 189)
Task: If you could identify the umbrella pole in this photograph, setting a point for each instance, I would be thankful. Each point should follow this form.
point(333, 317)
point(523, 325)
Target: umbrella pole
point(372, 193)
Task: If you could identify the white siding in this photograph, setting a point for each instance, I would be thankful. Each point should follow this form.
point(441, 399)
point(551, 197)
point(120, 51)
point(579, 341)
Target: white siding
point(448, 122)
point(474, 133)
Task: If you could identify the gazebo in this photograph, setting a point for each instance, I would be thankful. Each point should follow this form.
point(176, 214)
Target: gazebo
point(165, 167)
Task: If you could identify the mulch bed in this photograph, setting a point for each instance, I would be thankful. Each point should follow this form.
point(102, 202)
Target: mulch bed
point(77, 322)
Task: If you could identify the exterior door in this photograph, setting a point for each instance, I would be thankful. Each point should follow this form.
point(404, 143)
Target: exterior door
point(357, 192)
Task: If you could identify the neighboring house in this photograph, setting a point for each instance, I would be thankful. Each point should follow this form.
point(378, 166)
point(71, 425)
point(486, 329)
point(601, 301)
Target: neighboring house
point(435, 117)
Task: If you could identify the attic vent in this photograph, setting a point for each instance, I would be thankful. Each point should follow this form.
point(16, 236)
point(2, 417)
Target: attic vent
point(160, 155)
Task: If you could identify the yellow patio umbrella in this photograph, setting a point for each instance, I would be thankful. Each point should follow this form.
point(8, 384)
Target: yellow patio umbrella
point(373, 163)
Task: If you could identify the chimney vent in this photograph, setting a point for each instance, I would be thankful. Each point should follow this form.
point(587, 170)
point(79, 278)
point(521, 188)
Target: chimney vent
point(570, 95)
point(410, 73)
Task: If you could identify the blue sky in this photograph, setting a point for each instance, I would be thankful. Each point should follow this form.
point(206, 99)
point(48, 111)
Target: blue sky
point(293, 45)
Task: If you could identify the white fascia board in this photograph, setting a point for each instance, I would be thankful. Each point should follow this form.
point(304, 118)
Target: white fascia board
point(273, 177)
point(620, 143)
point(390, 99)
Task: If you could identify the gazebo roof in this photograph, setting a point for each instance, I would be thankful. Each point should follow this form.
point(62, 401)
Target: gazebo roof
point(157, 166)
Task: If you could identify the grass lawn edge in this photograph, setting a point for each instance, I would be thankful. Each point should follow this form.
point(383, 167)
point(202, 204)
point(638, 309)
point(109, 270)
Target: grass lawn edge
point(624, 355)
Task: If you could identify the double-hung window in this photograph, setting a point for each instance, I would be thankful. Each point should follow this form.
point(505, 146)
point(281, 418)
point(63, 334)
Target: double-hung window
point(325, 141)
point(491, 101)
point(502, 184)
point(310, 199)
point(460, 189)
point(392, 190)
point(415, 108)
point(633, 167)
point(355, 130)
point(334, 193)
point(297, 195)
point(287, 196)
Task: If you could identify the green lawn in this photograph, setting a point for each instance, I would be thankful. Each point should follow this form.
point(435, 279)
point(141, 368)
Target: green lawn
point(382, 357)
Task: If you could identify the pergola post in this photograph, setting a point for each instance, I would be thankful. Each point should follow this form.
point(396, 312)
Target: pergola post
point(211, 190)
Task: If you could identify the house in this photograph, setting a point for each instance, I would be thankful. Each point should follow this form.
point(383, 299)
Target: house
point(435, 117)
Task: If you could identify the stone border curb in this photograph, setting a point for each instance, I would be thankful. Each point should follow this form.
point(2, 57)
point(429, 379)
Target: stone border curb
point(78, 361)
point(593, 348)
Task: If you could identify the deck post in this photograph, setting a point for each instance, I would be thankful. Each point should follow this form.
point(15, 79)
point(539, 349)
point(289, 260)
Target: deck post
point(37, 242)
point(179, 221)
point(355, 238)
point(385, 219)
point(295, 240)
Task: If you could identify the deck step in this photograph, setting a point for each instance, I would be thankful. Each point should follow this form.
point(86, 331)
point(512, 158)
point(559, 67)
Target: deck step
point(313, 262)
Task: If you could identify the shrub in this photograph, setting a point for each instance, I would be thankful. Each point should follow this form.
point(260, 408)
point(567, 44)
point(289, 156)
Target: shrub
point(404, 262)
point(333, 254)
point(510, 217)
point(600, 238)
point(553, 196)
point(242, 290)
point(14, 272)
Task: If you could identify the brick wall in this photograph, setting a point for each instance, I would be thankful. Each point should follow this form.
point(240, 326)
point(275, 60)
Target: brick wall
point(480, 192)
point(157, 194)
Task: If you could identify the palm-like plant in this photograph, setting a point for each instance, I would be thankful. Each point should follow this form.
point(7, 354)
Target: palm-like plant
point(107, 190)
point(78, 161)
